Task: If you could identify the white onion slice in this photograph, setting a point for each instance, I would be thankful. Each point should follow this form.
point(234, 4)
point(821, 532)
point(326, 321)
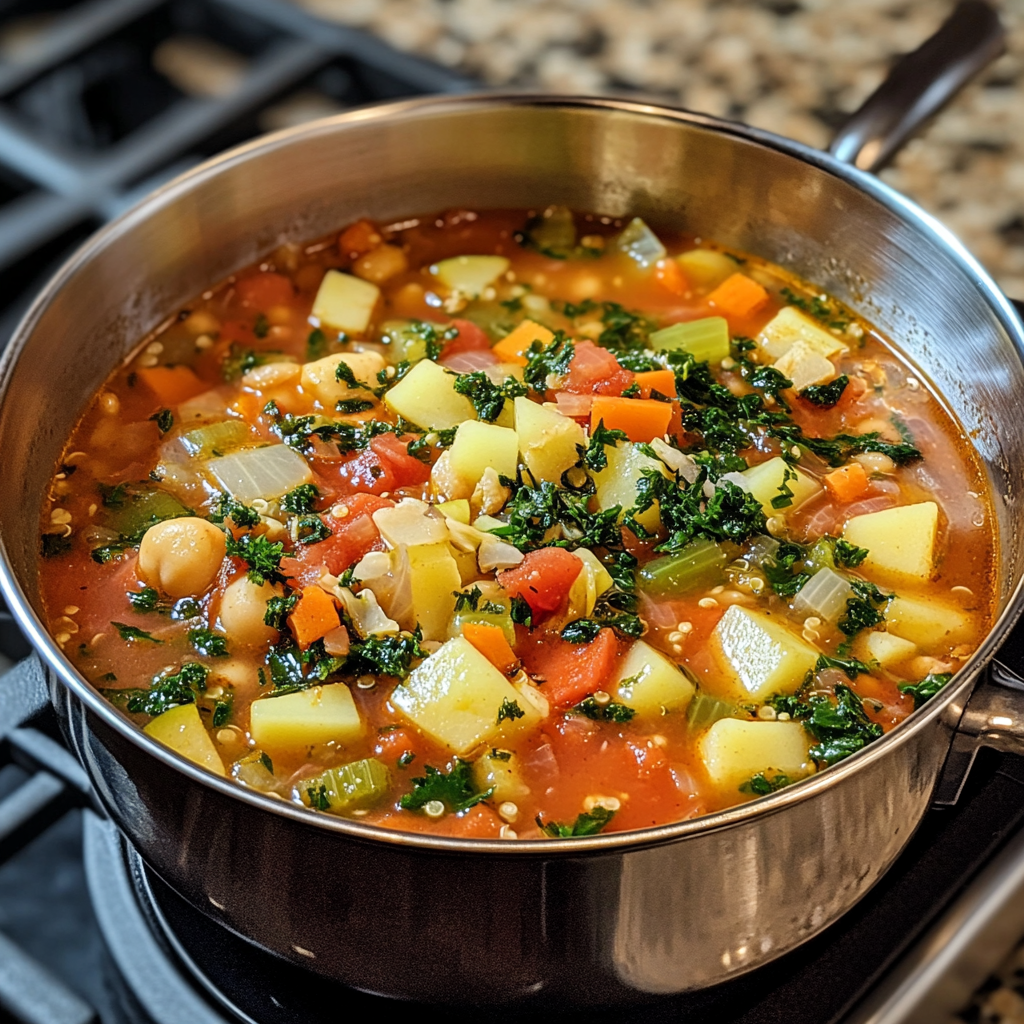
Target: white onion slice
point(260, 472)
point(824, 594)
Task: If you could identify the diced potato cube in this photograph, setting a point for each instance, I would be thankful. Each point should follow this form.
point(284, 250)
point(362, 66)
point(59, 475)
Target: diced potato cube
point(470, 275)
point(900, 541)
point(435, 578)
point(733, 751)
point(759, 656)
point(766, 481)
point(426, 396)
point(926, 621)
point(705, 268)
point(345, 302)
point(616, 484)
point(320, 378)
point(885, 648)
point(804, 366)
point(309, 718)
point(789, 326)
point(479, 446)
point(455, 697)
point(183, 731)
point(459, 510)
point(499, 769)
point(547, 440)
point(651, 684)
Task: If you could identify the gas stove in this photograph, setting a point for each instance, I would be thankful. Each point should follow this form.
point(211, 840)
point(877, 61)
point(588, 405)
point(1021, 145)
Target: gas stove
point(100, 101)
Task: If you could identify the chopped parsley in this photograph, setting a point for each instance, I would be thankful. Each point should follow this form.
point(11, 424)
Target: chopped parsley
point(509, 711)
point(145, 600)
point(262, 556)
point(594, 456)
point(390, 655)
point(761, 785)
point(455, 789)
point(227, 507)
point(278, 610)
point(848, 555)
point(543, 361)
point(589, 823)
point(610, 712)
point(550, 516)
point(344, 374)
point(826, 395)
point(208, 643)
point(302, 499)
point(316, 344)
point(132, 634)
point(470, 600)
point(164, 420)
point(353, 405)
point(487, 397)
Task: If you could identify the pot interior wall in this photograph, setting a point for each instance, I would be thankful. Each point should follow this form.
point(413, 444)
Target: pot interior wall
point(676, 171)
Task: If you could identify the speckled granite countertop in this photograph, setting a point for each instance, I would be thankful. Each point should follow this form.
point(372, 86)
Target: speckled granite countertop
point(796, 67)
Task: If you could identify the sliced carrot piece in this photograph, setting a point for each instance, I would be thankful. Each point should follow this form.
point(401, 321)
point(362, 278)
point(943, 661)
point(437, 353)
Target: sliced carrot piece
point(738, 296)
point(642, 419)
point(670, 276)
point(847, 483)
point(314, 616)
point(511, 348)
point(171, 384)
point(359, 238)
point(491, 643)
point(662, 381)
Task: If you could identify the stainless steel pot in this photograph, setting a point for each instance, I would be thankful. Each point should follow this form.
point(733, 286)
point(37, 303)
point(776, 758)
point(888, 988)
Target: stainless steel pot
point(614, 917)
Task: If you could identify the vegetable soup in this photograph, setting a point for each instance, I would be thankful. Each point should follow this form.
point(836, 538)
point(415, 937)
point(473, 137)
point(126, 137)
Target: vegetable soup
point(516, 524)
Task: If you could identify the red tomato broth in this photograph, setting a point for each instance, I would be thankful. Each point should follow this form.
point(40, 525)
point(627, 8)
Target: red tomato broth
point(646, 772)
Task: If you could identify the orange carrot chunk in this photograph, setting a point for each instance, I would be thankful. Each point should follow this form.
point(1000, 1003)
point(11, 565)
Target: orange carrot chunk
point(662, 381)
point(314, 616)
point(847, 483)
point(670, 276)
point(738, 296)
point(642, 419)
point(512, 347)
point(359, 238)
point(171, 384)
point(491, 643)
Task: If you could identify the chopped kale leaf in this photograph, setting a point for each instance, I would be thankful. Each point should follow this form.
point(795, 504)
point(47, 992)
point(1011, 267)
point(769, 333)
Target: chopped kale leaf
point(581, 631)
point(208, 643)
point(131, 634)
point(227, 507)
point(301, 500)
point(311, 529)
point(925, 689)
point(390, 655)
point(166, 692)
point(761, 785)
point(594, 457)
point(471, 600)
point(826, 395)
point(589, 823)
point(548, 360)
point(353, 405)
point(278, 610)
point(847, 555)
point(455, 789)
point(262, 556)
point(164, 420)
point(850, 666)
point(510, 711)
point(487, 397)
point(864, 610)
point(610, 712)
point(145, 600)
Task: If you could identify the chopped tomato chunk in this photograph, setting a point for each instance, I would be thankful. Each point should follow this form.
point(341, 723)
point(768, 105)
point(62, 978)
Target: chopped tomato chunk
point(542, 579)
point(571, 671)
point(383, 467)
point(261, 291)
point(594, 370)
point(469, 339)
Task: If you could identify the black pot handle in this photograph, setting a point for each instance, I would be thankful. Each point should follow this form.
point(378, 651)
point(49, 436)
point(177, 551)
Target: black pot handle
point(920, 84)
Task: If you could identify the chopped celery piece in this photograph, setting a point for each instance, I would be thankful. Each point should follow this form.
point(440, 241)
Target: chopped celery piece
point(707, 340)
point(260, 472)
point(553, 233)
point(704, 711)
point(348, 788)
point(825, 594)
point(216, 438)
point(640, 243)
point(141, 509)
point(699, 564)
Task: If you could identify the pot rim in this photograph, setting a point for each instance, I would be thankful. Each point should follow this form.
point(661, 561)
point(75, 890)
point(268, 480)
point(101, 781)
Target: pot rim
point(431, 106)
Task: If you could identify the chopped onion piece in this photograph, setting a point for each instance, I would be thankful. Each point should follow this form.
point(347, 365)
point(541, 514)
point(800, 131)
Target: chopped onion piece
point(408, 523)
point(260, 472)
point(824, 594)
point(367, 617)
point(738, 479)
point(679, 462)
point(641, 243)
point(497, 554)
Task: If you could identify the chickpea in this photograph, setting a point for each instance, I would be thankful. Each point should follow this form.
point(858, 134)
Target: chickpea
point(181, 557)
point(242, 609)
point(381, 264)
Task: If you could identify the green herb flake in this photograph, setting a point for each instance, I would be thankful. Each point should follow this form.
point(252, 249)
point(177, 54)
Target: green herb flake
point(208, 643)
point(589, 823)
point(455, 789)
point(608, 712)
point(509, 711)
point(144, 600)
point(164, 420)
point(924, 690)
point(301, 500)
point(132, 634)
